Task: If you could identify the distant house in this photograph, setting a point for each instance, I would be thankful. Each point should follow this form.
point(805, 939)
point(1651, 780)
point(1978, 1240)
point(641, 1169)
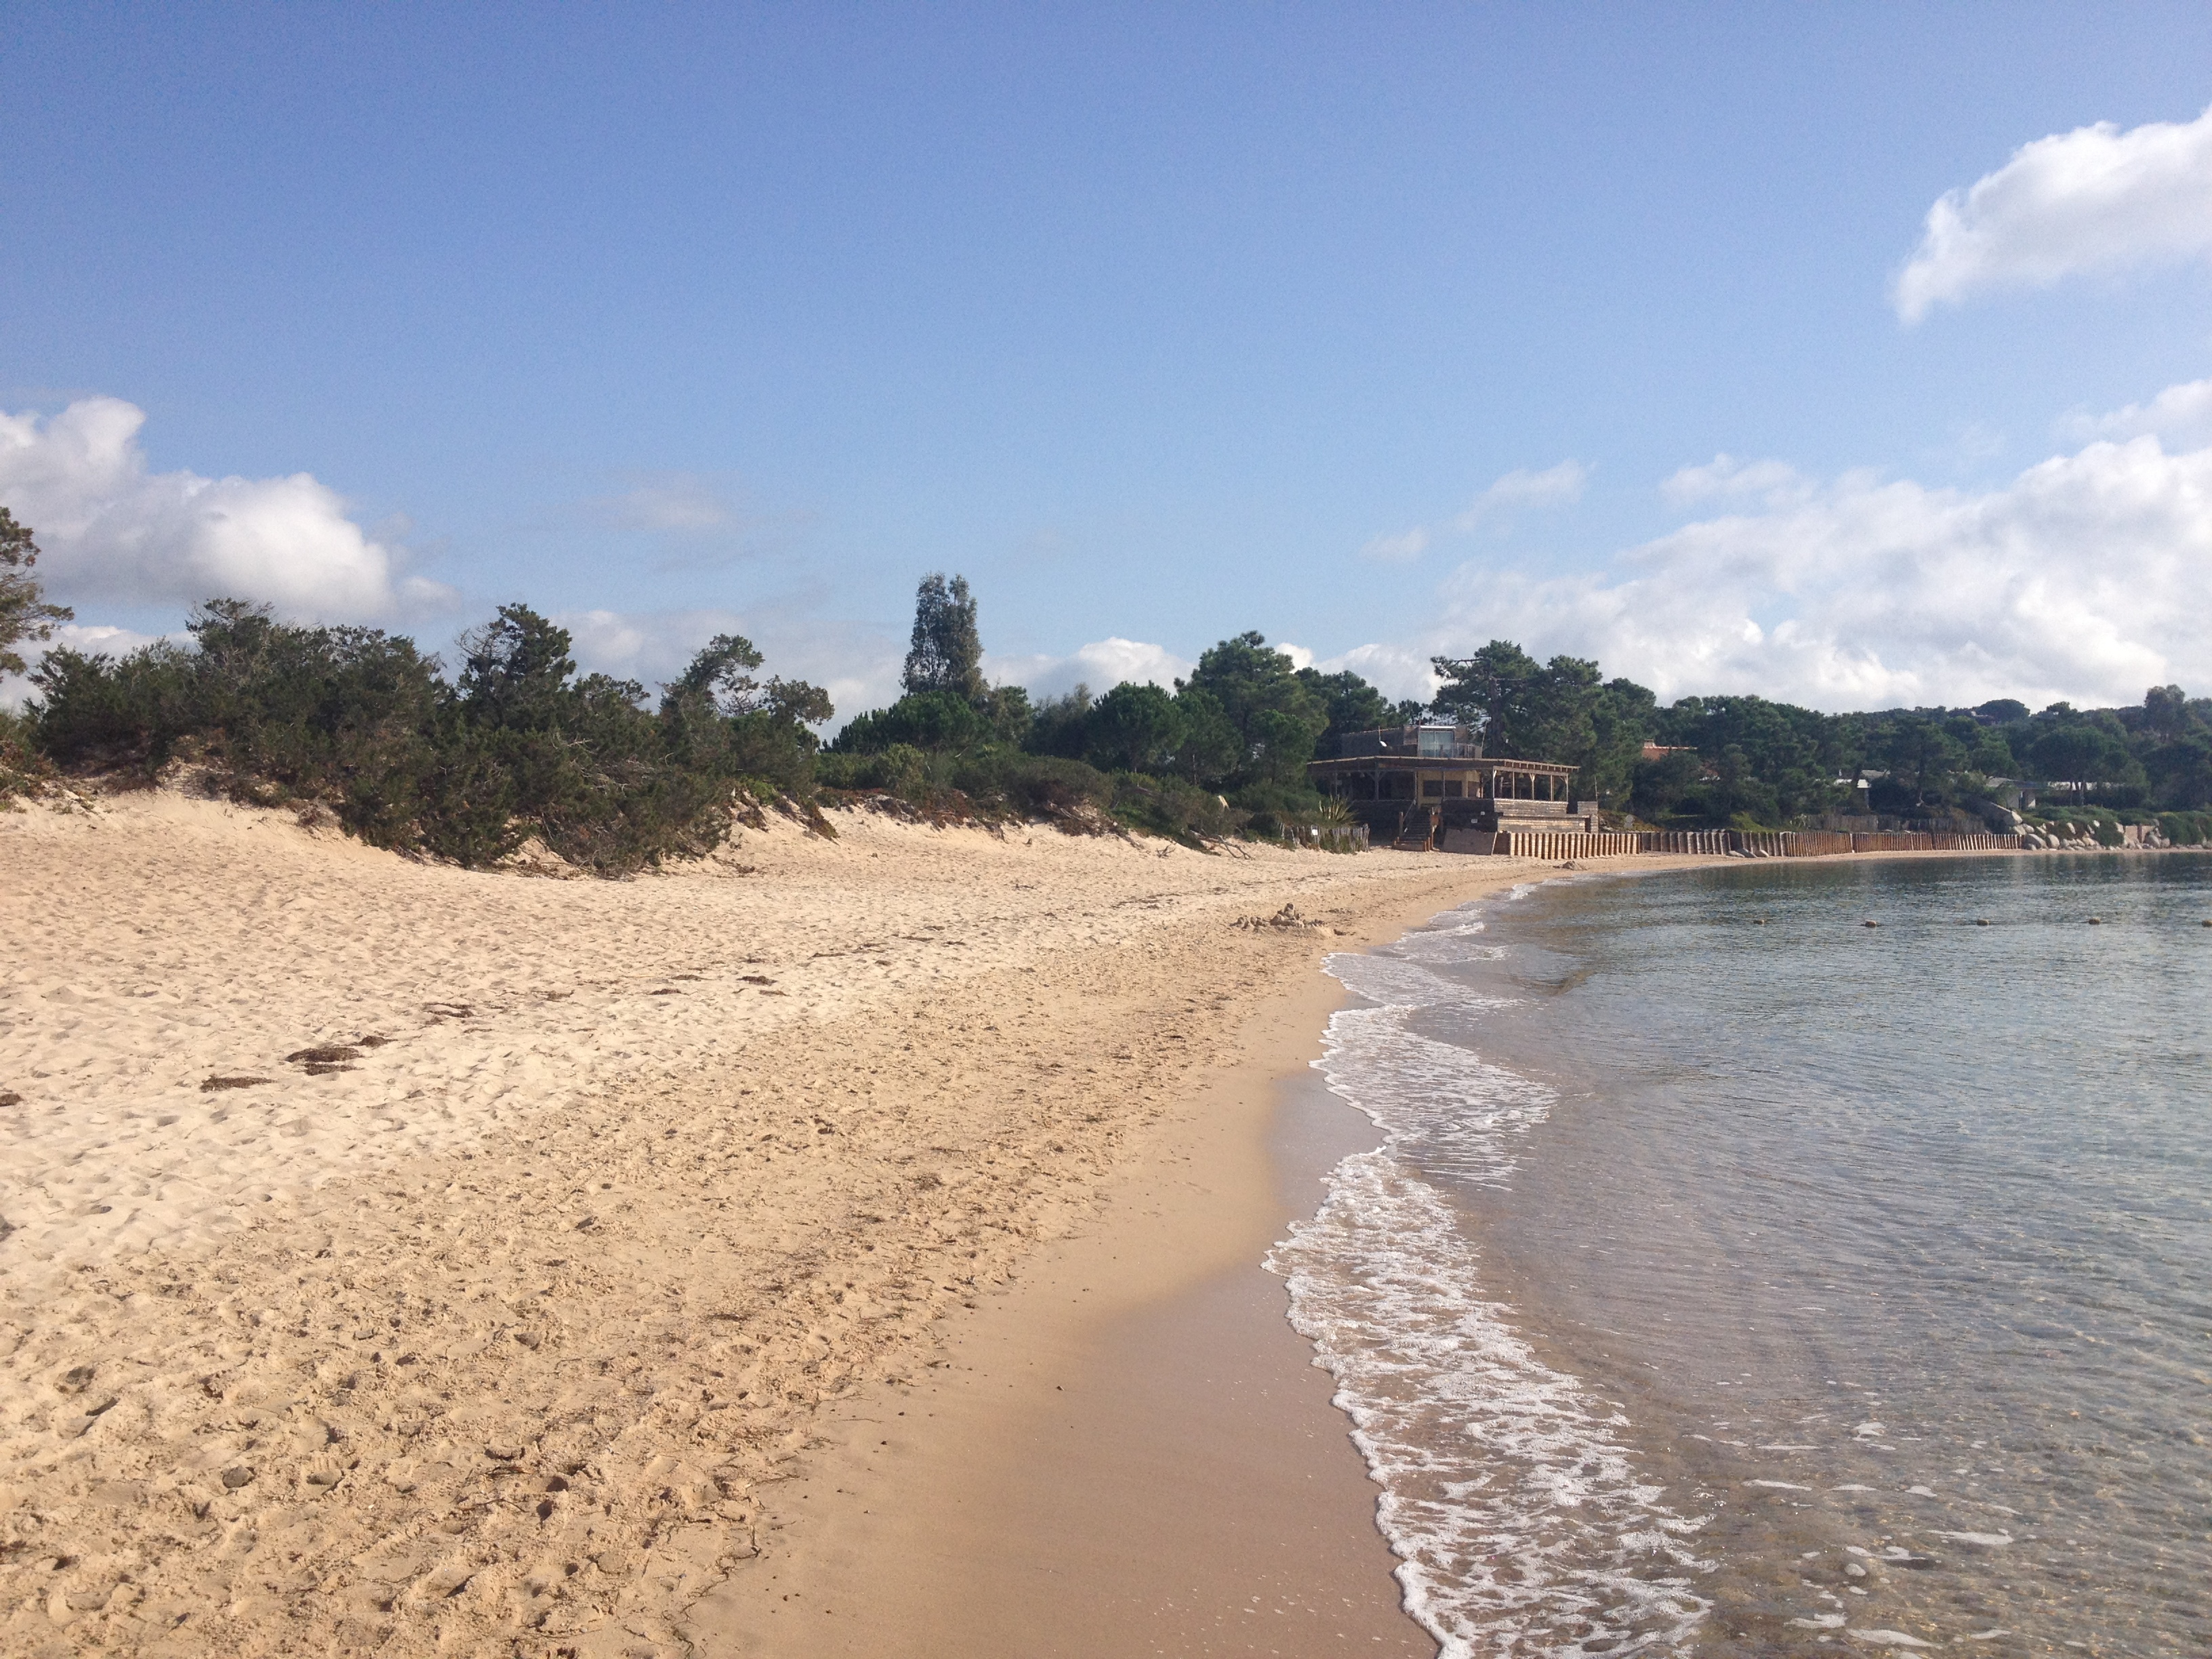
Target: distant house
point(1659, 751)
point(1432, 785)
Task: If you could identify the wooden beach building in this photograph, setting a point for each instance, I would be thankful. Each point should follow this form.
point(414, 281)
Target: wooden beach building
point(1433, 786)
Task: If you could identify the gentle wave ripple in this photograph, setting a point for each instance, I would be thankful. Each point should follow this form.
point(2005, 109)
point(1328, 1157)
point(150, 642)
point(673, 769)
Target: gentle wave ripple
point(1520, 1518)
point(1732, 1279)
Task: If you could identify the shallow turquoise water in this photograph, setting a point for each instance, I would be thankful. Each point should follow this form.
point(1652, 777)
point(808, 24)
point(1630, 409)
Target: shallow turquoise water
point(1735, 1278)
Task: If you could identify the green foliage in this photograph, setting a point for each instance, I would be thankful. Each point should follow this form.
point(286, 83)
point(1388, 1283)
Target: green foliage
point(1174, 808)
point(1135, 727)
point(23, 769)
point(24, 613)
point(946, 653)
point(1769, 762)
point(1271, 717)
point(1034, 786)
point(1060, 725)
point(896, 768)
point(2082, 753)
point(1560, 710)
point(1352, 705)
point(2187, 829)
point(1210, 750)
point(360, 721)
point(2181, 771)
point(920, 720)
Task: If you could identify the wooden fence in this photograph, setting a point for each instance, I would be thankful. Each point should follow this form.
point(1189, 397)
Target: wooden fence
point(1555, 845)
point(1567, 844)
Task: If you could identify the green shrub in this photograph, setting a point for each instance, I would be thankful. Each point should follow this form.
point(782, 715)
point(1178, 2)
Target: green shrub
point(920, 720)
point(362, 722)
point(900, 769)
point(2185, 828)
point(23, 769)
point(1172, 807)
point(1031, 786)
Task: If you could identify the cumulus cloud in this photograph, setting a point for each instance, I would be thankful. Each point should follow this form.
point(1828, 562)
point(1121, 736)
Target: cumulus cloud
point(1397, 671)
point(114, 531)
point(2092, 201)
point(1102, 665)
point(2086, 578)
point(2179, 411)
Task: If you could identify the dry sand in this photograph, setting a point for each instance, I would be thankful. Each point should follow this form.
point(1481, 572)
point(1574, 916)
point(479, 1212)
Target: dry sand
point(490, 1337)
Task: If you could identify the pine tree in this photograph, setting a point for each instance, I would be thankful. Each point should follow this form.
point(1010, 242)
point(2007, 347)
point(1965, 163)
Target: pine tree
point(23, 614)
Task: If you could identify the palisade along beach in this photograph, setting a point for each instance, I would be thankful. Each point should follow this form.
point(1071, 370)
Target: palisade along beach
point(1732, 1279)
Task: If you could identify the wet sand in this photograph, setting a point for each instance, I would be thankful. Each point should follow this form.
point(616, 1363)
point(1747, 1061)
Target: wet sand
point(1130, 1452)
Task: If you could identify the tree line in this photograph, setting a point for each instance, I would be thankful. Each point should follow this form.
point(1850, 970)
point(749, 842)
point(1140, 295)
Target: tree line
point(517, 744)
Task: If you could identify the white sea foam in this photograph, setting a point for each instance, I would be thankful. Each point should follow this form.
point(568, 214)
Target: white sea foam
point(1522, 1523)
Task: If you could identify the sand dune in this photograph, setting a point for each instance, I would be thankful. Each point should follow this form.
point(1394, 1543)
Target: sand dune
point(480, 1331)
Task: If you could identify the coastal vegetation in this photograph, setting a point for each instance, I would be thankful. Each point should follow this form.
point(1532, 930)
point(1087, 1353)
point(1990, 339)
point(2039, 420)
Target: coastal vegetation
point(364, 726)
point(515, 745)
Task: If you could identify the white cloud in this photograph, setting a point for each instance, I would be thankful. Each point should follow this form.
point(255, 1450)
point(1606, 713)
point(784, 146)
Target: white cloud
point(667, 503)
point(2086, 578)
point(1398, 672)
point(1401, 548)
point(112, 530)
point(1555, 486)
point(1102, 665)
point(2095, 200)
point(2179, 411)
point(1725, 477)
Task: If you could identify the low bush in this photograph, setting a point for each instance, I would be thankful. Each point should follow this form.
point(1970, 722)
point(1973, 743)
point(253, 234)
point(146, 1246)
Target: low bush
point(362, 723)
point(23, 769)
point(2187, 829)
point(898, 768)
point(1172, 807)
point(1033, 786)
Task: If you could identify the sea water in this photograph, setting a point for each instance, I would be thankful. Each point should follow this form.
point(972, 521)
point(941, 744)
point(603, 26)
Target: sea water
point(1734, 1277)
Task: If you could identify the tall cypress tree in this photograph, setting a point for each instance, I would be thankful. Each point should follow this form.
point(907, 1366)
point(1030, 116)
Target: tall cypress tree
point(947, 651)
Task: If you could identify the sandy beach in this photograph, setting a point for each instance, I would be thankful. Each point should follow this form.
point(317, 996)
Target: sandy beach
point(564, 1216)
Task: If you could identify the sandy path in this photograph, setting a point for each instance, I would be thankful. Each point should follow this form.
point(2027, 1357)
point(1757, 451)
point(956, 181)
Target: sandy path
point(486, 1343)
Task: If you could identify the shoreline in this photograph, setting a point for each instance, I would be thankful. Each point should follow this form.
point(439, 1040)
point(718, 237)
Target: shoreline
point(945, 1516)
point(1130, 1451)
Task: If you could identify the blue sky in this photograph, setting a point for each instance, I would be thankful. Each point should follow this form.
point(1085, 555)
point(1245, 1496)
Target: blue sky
point(1159, 324)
